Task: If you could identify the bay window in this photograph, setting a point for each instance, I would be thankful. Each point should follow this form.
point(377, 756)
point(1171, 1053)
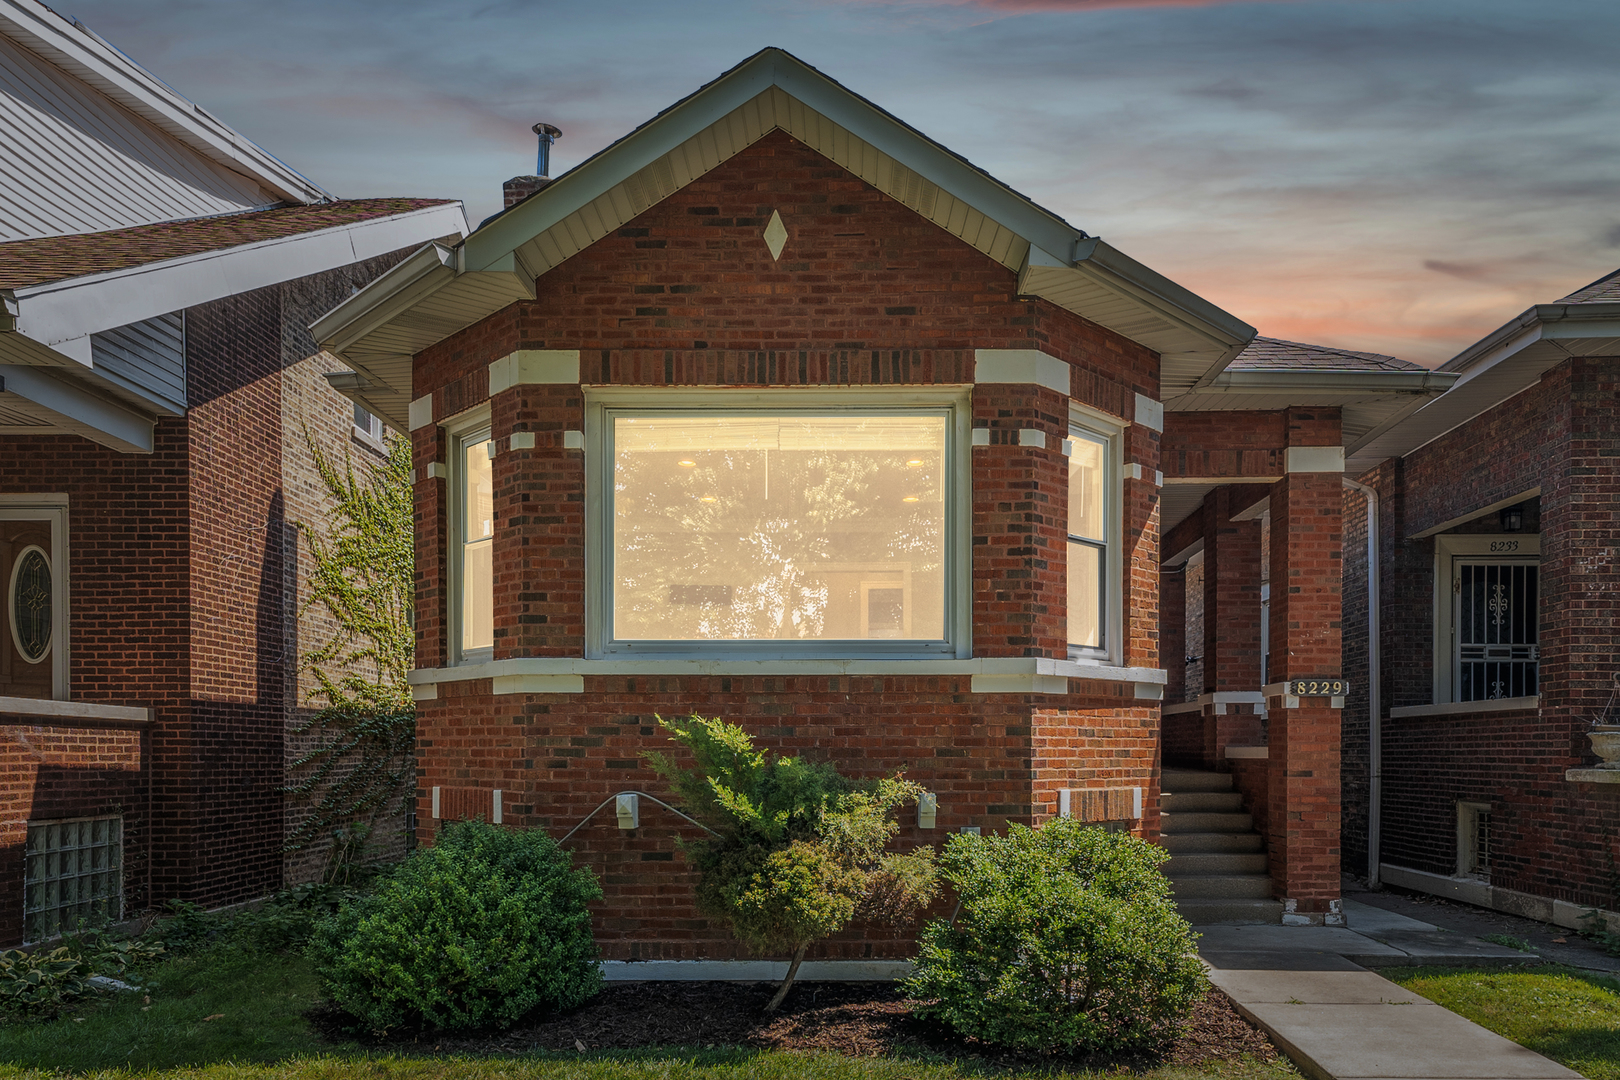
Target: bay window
point(1093, 568)
point(472, 545)
point(784, 524)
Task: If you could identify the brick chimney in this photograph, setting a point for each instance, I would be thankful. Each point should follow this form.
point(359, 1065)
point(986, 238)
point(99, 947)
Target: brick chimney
point(519, 188)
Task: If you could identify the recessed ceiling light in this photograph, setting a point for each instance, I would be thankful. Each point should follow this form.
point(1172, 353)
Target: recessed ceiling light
point(909, 498)
point(686, 464)
point(708, 498)
point(915, 462)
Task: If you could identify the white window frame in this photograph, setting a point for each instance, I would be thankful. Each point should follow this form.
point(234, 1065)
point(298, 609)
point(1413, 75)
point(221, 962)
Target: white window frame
point(1506, 548)
point(53, 508)
point(603, 403)
point(370, 434)
point(1099, 425)
point(471, 426)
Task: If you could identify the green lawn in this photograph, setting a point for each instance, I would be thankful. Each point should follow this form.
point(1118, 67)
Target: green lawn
point(231, 1013)
point(1567, 1014)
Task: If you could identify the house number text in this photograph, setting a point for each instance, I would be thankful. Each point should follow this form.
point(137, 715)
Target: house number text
point(1319, 687)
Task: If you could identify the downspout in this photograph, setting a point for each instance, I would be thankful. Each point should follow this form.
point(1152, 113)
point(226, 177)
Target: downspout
point(1375, 708)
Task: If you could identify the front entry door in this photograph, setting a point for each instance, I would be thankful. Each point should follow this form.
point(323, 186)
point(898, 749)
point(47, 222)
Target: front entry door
point(28, 629)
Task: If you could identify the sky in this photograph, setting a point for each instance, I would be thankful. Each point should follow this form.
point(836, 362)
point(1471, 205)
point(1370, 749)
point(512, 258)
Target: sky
point(1398, 176)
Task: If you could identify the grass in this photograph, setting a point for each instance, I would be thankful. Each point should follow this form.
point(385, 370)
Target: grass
point(257, 1000)
point(1567, 1014)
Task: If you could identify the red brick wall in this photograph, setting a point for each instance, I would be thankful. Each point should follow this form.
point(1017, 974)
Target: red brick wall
point(866, 293)
point(1548, 837)
point(49, 771)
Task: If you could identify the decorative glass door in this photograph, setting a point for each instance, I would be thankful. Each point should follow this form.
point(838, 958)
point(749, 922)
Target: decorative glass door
point(1497, 654)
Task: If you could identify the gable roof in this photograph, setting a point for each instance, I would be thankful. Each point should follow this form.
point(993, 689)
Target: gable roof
point(72, 48)
point(441, 291)
point(25, 263)
point(1509, 360)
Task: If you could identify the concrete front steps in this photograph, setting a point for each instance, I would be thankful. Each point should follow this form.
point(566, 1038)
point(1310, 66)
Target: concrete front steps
point(1217, 866)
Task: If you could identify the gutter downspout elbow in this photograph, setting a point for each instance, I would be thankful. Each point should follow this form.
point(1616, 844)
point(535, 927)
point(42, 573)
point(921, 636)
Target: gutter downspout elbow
point(1375, 706)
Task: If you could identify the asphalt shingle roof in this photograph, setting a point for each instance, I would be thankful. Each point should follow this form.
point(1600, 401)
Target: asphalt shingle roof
point(1266, 353)
point(1605, 290)
point(54, 258)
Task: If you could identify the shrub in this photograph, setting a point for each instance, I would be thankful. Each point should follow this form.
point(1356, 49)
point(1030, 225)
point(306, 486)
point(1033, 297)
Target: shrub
point(41, 983)
point(796, 850)
point(475, 931)
point(1066, 938)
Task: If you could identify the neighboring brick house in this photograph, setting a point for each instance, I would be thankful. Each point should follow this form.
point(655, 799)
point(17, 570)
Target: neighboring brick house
point(778, 411)
point(158, 273)
point(1498, 527)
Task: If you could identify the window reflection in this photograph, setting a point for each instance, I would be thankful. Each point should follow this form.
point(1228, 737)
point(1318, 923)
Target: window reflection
point(1088, 482)
point(730, 527)
point(477, 551)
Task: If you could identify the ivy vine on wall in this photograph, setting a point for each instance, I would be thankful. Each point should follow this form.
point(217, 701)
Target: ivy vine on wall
point(362, 569)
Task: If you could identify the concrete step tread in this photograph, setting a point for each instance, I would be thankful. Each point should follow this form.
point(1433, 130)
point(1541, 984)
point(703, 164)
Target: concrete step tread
point(1183, 864)
point(1187, 780)
point(1211, 912)
point(1211, 843)
point(1222, 887)
point(1205, 821)
point(1196, 801)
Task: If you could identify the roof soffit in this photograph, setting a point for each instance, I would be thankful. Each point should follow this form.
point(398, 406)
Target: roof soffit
point(774, 90)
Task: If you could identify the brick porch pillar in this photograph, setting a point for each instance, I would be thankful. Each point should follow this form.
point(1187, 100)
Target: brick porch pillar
point(1306, 574)
point(1231, 630)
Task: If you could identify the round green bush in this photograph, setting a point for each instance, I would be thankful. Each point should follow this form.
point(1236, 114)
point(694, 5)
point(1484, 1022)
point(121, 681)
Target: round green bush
point(473, 932)
point(1066, 940)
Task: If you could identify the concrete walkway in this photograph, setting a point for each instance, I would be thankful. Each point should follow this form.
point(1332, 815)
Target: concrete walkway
point(1308, 988)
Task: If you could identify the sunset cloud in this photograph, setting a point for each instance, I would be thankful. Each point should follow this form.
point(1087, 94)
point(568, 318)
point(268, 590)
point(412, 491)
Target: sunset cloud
point(1401, 177)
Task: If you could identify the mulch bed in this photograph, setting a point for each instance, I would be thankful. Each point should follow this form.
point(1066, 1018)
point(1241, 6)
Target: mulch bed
point(856, 1019)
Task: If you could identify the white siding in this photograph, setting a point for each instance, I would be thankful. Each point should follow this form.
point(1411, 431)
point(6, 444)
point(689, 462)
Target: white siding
point(73, 161)
point(147, 357)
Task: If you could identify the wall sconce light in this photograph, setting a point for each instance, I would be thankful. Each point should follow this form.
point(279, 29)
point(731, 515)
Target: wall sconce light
point(927, 807)
point(628, 807)
point(1512, 518)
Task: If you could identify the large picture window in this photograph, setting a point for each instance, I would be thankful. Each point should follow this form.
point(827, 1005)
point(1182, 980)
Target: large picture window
point(473, 546)
point(804, 529)
point(1487, 606)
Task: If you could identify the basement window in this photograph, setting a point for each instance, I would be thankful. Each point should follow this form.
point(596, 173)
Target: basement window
point(1474, 840)
point(73, 877)
point(786, 523)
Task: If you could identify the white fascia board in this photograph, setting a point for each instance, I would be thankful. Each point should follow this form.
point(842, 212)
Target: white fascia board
point(1053, 241)
point(82, 412)
point(420, 275)
point(84, 54)
point(1174, 302)
point(61, 311)
point(769, 67)
point(1354, 385)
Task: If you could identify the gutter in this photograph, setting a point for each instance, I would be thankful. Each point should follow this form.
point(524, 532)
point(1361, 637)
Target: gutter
point(1356, 381)
point(1375, 705)
point(1540, 315)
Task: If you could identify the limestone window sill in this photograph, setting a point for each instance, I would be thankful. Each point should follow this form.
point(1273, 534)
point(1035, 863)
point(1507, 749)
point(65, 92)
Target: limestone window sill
point(73, 713)
point(1466, 708)
point(1592, 776)
point(990, 675)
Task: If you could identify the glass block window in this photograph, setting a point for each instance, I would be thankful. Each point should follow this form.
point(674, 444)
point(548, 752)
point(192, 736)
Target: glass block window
point(74, 875)
point(1497, 654)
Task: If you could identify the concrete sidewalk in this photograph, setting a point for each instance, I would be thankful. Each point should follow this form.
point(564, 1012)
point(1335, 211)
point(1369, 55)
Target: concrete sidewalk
point(1339, 1021)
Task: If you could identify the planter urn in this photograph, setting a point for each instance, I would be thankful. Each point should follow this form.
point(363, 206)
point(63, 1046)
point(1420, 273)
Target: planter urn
point(1605, 740)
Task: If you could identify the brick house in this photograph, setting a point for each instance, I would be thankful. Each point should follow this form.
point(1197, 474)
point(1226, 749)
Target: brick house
point(1497, 512)
point(158, 272)
point(779, 411)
